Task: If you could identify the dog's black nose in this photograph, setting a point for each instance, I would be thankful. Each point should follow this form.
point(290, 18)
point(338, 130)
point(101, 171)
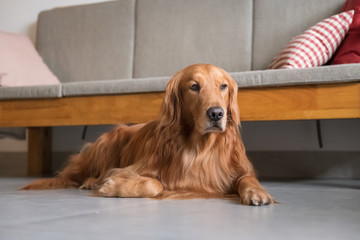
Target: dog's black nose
point(215, 113)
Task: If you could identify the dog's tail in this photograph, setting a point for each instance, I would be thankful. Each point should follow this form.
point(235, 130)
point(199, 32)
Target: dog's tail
point(47, 183)
point(93, 161)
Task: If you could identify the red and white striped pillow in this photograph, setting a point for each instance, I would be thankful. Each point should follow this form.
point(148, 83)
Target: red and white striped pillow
point(316, 45)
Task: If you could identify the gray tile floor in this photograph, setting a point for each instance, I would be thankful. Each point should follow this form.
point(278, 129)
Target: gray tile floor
point(326, 209)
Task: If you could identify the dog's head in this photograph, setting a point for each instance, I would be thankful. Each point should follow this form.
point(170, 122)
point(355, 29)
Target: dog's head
point(203, 97)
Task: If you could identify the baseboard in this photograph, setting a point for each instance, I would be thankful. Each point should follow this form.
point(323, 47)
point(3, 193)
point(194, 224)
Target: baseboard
point(306, 164)
point(13, 164)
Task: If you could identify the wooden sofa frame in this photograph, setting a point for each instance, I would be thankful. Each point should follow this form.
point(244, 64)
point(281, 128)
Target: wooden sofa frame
point(324, 101)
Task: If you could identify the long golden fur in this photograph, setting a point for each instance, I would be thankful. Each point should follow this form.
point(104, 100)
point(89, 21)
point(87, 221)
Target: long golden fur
point(192, 150)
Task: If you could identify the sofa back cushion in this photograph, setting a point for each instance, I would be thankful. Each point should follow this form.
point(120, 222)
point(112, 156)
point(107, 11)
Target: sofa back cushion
point(89, 42)
point(153, 38)
point(276, 22)
point(173, 34)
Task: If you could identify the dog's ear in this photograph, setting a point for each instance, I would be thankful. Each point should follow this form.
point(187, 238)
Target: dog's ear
point(233, 108)
point(171, 106)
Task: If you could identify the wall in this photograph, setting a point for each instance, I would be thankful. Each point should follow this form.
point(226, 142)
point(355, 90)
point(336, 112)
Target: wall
point(19, 16)
point(271, 141)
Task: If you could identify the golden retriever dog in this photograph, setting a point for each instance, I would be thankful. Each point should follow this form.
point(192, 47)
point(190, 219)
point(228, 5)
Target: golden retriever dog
point(192, 150)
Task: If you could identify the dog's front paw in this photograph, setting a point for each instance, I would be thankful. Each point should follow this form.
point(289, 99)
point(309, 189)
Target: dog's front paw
point(130, 186)
point(255, 196)
point(108, 189)
point(90, 184)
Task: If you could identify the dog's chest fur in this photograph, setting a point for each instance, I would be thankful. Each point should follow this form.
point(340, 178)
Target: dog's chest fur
point(206, 169)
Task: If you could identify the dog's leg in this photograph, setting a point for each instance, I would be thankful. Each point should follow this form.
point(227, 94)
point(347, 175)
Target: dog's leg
point(129, 184)
point(91, 183)
point(251, 192)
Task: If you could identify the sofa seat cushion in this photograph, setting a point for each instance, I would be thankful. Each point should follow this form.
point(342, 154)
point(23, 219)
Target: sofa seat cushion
point(121, 86)
point(263, 78)
point(299, 76)
point(45, 91)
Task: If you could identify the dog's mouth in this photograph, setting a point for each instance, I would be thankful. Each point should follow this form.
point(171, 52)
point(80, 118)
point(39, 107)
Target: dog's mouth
point(215, 127)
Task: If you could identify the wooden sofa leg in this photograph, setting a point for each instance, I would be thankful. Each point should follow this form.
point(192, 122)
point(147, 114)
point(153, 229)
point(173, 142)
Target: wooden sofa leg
point(39, 151)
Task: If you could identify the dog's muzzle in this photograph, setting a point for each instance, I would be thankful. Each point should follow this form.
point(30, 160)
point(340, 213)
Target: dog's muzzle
point(215, 114)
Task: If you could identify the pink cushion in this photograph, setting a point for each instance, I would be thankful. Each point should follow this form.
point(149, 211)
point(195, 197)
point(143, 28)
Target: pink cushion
point(316, 45)
point(20, 64)
point(349, 50)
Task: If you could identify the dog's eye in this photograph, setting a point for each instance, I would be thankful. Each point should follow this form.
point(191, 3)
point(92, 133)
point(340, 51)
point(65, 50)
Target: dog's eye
point(223, 87)
point(195, 87)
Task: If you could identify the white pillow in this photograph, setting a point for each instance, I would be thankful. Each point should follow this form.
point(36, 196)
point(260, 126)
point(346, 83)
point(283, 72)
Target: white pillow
point(20, 64)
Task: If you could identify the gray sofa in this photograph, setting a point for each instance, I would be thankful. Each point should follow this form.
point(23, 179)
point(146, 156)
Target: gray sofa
point(131, 48)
